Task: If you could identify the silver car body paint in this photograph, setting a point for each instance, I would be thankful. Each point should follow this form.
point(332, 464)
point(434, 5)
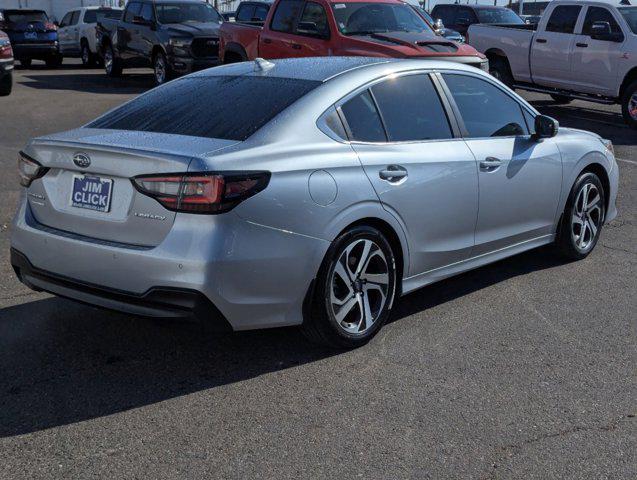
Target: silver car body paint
point(256, 262)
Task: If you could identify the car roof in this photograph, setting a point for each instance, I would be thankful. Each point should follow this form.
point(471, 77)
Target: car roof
point(320, 69)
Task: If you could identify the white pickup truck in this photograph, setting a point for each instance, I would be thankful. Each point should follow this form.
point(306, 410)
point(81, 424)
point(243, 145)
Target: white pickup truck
point(580, 49)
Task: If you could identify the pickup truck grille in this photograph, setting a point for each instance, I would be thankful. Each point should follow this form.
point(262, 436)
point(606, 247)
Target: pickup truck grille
point(205, 47)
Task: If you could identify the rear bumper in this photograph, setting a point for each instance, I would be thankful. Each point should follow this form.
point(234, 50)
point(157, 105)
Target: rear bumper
point(255, 276)
point(6, 66)
point(35, 50)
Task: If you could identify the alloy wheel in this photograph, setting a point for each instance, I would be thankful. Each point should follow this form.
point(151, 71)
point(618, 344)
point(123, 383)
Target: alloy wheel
point(587, 216)
point(359, 286)
point(85, 55)
point(632, 106)
point(160, 70)
point(108, 60)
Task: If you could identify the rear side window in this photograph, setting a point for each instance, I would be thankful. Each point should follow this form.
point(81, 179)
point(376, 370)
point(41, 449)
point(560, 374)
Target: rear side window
point(363, 119)
point(285, 16)
point(411, 109)
point(485, 109)
point(132, 10)
point(225, 107)
point(599, 14)
point(90, 16)
point(563, 19)
point(260, 13)
point(465, 16)
point(147, 12)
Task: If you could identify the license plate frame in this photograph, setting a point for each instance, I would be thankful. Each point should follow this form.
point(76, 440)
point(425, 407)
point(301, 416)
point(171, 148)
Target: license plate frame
point(87, 192)
point(30, 35)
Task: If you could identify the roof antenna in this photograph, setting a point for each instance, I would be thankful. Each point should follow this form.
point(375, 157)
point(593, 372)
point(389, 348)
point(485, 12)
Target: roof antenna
point(261, 65)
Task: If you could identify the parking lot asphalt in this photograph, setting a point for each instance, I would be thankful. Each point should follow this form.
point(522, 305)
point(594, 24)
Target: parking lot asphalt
point(522, 369)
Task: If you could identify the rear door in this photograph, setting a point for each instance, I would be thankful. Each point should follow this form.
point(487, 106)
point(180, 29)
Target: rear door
point(595, 62)
point(551, 48)
point(422, 172)
point(64, 31)
point(520, 179)
point(276, 39)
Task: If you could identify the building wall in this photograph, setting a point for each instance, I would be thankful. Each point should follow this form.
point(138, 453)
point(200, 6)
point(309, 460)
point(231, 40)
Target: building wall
point(56, 8)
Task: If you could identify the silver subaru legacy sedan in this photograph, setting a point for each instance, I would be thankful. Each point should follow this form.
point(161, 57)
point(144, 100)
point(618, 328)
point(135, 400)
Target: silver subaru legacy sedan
point(310, 192)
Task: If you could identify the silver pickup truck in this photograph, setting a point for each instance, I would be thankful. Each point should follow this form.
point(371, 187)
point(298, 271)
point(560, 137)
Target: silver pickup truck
point(580, 49)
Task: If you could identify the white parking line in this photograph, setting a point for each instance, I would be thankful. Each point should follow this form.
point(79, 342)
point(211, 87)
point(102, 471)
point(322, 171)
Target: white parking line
point(633, 162)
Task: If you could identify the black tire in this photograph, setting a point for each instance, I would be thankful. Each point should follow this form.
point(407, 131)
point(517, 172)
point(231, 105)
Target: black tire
point(25, 62)
point(54, 61)
point(87, 57)
point(161, 69)
point(561, 99)
point(629, 105)
point(321, 324)
point(567, 239)
point(112, 65)
point(6, 85)
point(499, 68)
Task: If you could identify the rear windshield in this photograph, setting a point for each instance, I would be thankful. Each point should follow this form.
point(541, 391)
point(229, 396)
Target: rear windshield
point(498, 15)
point(25, 16)
point(630, 14)
point(226, 107)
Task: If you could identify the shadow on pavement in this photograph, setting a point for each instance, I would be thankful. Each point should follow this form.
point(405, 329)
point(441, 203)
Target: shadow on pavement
point(63, 362)
point(91, 83)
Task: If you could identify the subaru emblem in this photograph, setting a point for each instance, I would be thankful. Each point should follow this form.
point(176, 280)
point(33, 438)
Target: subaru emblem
point(82, 160)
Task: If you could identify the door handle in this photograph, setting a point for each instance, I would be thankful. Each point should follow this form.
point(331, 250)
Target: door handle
point(296, 46)
point(581, 45)
point(267, 40)
point(393, 173)
point(541, 40)
point(490, 163)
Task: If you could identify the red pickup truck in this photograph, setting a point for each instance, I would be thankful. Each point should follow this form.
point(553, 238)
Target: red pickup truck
point(313, 28)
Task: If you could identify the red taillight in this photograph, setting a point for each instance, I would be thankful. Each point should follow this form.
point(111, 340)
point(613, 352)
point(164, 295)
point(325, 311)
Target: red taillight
point(29, 169)
point(5, 48)
point(50, 27)
point(202, 192)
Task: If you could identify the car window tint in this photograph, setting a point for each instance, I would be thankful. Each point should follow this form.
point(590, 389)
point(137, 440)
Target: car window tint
point(90, 16)
point(147, 12)
point(599, 14)
point(445, 13)
point(66, 20)
point(131, 11)
point(466, 15)
point(485, 109)
point(285, 16)
point(261, 12)
point(411, 109)
point(363, 119)
point(75, 17)
point(313, 13)
point(563, 19)
point(193, 106)
point(245, 13)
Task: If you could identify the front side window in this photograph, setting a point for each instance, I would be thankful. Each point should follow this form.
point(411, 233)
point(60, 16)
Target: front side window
point(499, 15)
point(181, 12)
point(445, 13)
point(245, 13)
point(285, 16)
point(362, 18)
point(132, 10)
point(563, 19)
point(363, 120)
point(147, 12)
point(630, 15)
point(465, 17)
point(260, 13)
point(194, 107)
point(411, 109)
point(485, 109)
point(66, 20)
point(90, 16)
point(313, 21)
point(75, 18)
point(599, 14)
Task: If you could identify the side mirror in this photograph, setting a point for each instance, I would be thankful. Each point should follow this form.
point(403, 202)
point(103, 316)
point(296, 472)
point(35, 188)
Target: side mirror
point(545, 127)
point(603, 31)
point(308, 28)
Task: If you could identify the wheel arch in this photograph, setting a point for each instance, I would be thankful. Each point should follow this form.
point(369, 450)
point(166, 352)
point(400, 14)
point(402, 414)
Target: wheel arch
point(235, 51)
point(496, 52)
point(629, 78)
point(156, 49)
point(599, 170)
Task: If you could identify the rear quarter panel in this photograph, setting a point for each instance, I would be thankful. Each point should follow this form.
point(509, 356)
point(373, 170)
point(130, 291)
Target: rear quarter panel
point(237, 34)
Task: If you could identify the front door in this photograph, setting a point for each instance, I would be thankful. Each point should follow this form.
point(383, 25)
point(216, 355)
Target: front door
point(520, 179)
point(594, 61)
point(277, 40)
point(551, 48)
point(423, 174)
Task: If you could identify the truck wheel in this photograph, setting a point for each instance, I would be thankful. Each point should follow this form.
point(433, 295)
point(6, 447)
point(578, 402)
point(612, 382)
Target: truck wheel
point(25, 62)
point(499, 68)
point(629, 105)
point(6, 84)
point(561, 99)
point(112, 67)
point(162, 70)
point(88, 60)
